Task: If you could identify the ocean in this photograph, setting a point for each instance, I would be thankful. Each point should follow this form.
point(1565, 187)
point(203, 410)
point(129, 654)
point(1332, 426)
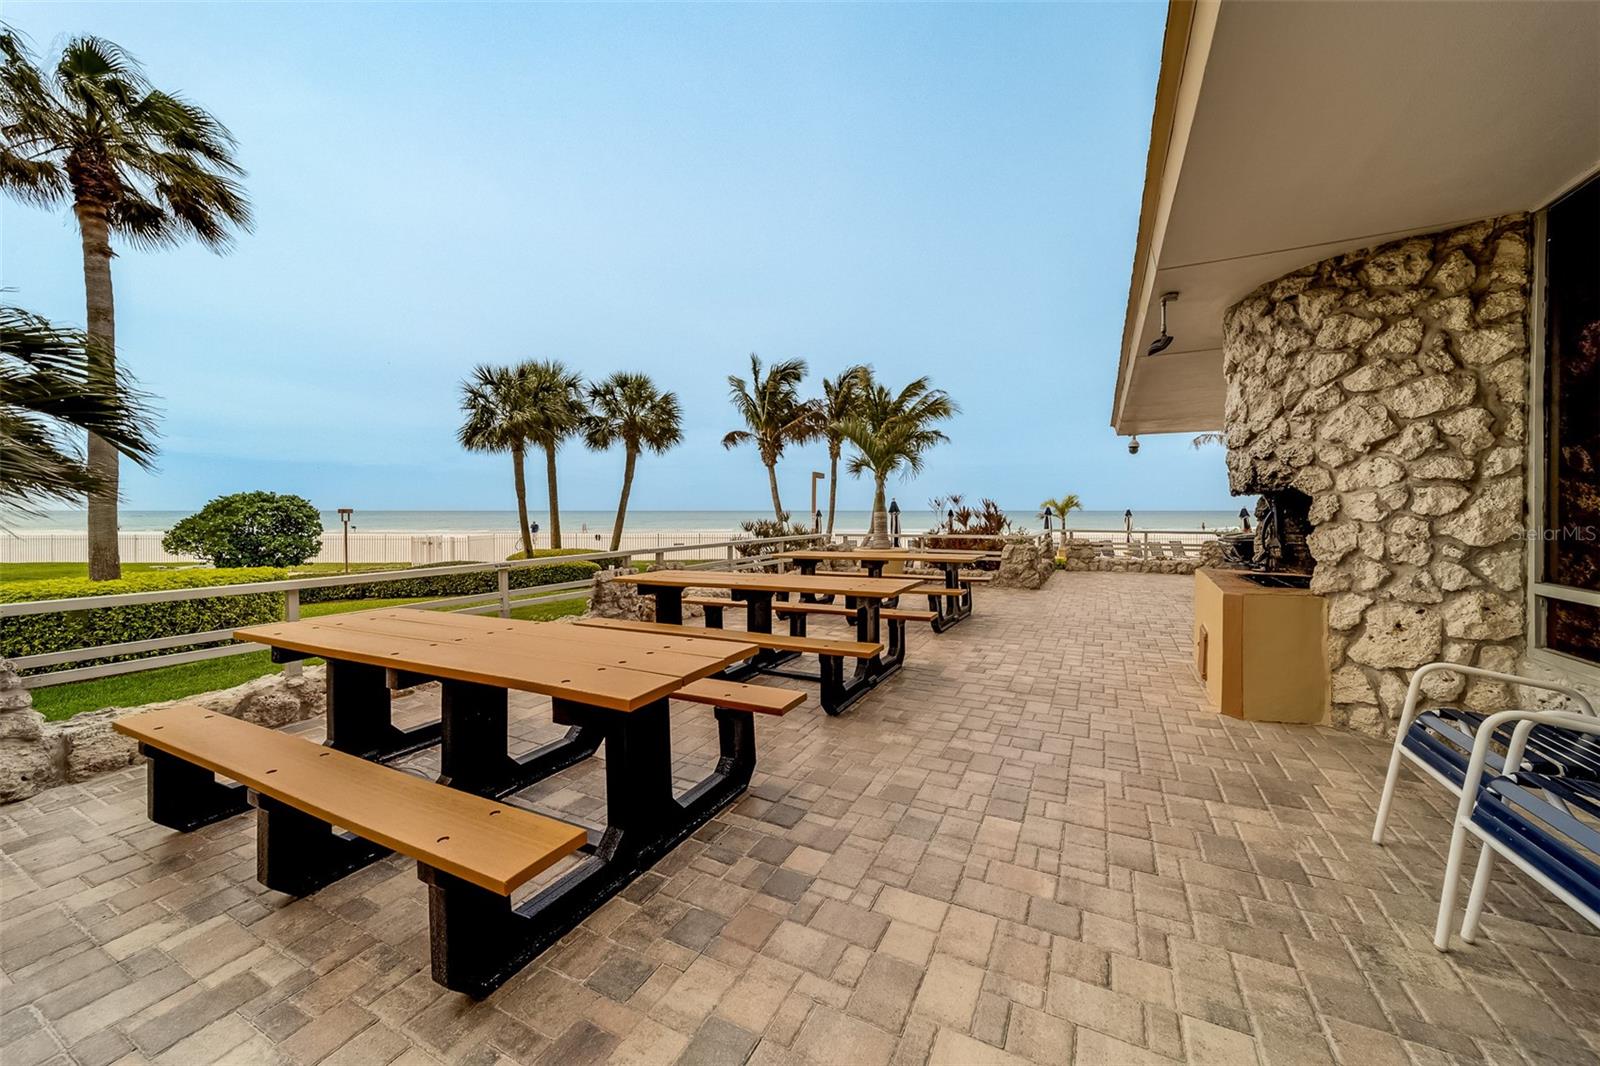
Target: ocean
point(640, 521)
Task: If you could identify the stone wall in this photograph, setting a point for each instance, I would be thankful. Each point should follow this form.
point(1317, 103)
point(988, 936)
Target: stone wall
point(36, 755)
point(1391, 385)
point(1083, 555)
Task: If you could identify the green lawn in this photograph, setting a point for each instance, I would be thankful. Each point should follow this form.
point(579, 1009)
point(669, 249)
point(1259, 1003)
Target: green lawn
point(174, 682)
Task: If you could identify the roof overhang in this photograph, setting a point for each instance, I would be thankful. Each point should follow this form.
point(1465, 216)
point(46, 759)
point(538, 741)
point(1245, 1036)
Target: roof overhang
point(1285, 133)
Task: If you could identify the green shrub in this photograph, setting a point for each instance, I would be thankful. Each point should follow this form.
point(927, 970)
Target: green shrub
point(36, 634)
point(547, 553)
point(249, 529)
point(452, 584)
point(765, 528)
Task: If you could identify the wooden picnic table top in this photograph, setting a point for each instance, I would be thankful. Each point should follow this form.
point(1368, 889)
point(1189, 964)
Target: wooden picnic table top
point(886, 555)
point(872, 588)
point(603, 668)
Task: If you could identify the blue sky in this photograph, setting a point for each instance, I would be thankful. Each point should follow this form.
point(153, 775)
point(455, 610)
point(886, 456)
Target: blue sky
point(934, 189)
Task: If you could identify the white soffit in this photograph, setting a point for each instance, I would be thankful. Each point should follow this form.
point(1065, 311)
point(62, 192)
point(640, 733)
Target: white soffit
point(1300, 130)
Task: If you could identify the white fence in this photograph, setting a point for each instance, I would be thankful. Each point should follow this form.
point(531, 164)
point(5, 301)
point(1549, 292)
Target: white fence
point(418, 549)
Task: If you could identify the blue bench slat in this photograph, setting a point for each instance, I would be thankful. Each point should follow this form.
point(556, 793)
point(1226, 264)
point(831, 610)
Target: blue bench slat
point(1443, 739)
point(1497, 814)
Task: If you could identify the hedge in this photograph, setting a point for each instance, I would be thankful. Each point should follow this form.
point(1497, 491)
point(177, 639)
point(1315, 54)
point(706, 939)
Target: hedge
point(452, 584)
point(36, 634)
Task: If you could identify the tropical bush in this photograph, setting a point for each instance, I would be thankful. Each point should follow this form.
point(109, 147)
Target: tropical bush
point(36, 634)
point(763, 528)
point(249, 529)
point(981, 523)
point(451, 584)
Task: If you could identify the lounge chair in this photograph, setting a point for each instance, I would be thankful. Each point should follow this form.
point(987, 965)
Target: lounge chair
point(1440, 741)
point(1543, 822)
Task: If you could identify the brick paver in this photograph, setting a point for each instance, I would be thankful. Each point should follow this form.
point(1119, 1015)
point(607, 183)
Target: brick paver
point(1036, 844)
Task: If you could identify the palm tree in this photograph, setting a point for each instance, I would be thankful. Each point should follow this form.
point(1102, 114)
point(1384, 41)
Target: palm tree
point(555, 412)
point(775, 415)
point(840, 397)
point(133, 161)
point(1061, 505)
point(892, 432)
point(628, 408)
point(49, 387)
point(496, 402)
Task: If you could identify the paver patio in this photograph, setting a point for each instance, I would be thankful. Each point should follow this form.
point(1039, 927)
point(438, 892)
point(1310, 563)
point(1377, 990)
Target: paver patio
point(1036, 844)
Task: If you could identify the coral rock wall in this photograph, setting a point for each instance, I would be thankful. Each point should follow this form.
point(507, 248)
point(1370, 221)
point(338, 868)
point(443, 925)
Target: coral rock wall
point(1391, 386)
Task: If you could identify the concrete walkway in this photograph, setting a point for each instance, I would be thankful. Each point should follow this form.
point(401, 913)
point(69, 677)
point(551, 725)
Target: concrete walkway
point(1036, 845)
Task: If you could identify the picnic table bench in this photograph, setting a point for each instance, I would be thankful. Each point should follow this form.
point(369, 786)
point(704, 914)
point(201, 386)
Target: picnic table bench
point(755, 593)
point(950, 602)
point(610, 687)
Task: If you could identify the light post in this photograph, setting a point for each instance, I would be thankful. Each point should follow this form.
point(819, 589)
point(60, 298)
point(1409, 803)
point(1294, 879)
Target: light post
point(1127, 524)
point(1244, 518)
point(816, 476)
point(345, 514)
point(894, 521)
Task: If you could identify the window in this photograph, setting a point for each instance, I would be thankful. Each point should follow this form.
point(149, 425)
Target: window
point(1567, 581)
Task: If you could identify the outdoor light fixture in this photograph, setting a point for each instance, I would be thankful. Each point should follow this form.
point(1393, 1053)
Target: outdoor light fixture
point(894, 521)
point(1164, 341)
point(1047, 516)
point(345, 514)
point(1244, 519)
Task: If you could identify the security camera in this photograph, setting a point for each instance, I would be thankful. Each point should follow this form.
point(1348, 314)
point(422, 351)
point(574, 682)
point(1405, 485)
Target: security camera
point(1133, 445)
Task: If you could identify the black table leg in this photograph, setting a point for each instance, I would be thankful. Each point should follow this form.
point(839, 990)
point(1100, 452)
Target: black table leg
point(298, 854)
point(473, 755)
point(479, 939)
point(808, 568)
point(183, 796)
point(669, 602)
point(359, 717)
point(951, 610)
point(758, 619)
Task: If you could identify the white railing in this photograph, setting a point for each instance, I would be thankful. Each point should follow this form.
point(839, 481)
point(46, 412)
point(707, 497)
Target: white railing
point(1139, 543)
point(425, 548)
point(502, 601)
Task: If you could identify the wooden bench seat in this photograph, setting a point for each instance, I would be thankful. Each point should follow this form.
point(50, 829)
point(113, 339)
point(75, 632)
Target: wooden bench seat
point(758, 699)
point(936, 590)
point(482, 841)
point(890, 614)
point(777, 648)
point(714, 601)
point(852, 649)
point(977, 577)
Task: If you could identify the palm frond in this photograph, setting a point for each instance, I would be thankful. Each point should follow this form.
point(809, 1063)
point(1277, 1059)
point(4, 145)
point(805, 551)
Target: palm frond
point(52, 385)
point(96, 131)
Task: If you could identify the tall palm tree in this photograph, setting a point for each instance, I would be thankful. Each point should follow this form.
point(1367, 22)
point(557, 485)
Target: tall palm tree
point(630, 410)
point(555, 412)
point(496, 401)
point(132, 161)
point(892, 432)
point(841, 396)
point(1061, 505)
point(774, 415)
point(49, 388)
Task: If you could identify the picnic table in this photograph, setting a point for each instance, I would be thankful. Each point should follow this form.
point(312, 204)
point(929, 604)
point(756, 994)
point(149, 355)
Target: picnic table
point(605, 685)
point(863, 596)
point(951, 604)
point(478, 661)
